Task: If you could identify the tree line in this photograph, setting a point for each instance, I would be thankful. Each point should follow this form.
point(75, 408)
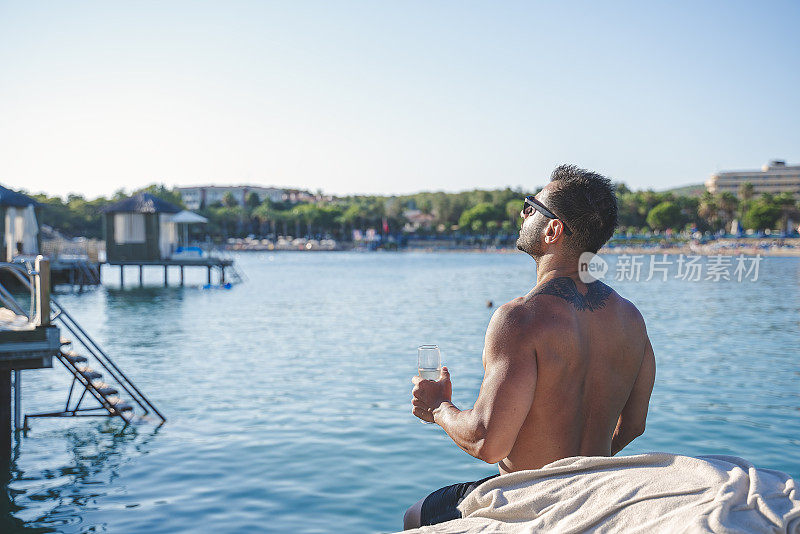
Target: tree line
point(478, 212)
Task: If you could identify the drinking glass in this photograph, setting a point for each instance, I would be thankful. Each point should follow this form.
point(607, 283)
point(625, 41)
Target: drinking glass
point(429, 363)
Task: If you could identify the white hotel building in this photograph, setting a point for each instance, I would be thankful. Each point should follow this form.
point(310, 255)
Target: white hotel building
point(204, 195)
point(775, 177)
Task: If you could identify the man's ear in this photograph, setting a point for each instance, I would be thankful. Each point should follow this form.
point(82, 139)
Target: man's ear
point(553, 231)
point(550, 232)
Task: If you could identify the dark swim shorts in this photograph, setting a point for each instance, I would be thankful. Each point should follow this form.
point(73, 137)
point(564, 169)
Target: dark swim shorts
point(440, 506)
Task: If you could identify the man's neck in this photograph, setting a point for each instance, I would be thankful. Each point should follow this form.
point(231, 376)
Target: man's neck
point(549, 267)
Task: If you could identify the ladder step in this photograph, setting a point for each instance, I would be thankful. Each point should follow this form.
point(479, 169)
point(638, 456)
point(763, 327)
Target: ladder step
point(73, 357)
point(106, 391)
point(123, 407)
point(88, 374)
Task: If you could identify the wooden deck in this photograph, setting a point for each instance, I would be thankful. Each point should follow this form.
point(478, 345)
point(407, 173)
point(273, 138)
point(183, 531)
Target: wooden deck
point(28, 349)
point(210, 263)
point(188, 262)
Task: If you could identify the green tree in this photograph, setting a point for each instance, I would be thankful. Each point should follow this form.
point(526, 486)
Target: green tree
point(762, 216)
point(483, 212)
point(513, 210)
point(161, 191)
point(728, 204)
point(746, 191)
point(229, 201)
point(252, 201)
point(664, 215)
point(788, 207)
point(226, 221)
point(268, 215)
point(708, 211)
point(746, 194)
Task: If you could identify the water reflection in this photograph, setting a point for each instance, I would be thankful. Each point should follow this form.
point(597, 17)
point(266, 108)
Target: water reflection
point(54, 499)
point(149, 298)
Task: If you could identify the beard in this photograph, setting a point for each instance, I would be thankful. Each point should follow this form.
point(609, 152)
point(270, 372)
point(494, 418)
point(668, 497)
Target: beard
point(530, 240)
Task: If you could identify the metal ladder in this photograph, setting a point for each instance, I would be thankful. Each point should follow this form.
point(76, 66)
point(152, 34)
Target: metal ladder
point(89, 274)
point(235, 275)
point(83, 274)
point(86, 378)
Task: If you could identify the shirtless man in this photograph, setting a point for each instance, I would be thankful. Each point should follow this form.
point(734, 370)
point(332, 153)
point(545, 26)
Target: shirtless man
point(568, 367)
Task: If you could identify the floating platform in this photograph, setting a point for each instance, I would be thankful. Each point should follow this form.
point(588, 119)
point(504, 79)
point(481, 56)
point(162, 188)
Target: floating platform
point(210, 263)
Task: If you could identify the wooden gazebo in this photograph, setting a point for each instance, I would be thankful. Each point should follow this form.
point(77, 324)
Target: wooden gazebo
point(143, 230)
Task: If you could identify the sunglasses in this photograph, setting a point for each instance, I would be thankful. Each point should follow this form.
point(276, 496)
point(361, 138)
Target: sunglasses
point(532, 204)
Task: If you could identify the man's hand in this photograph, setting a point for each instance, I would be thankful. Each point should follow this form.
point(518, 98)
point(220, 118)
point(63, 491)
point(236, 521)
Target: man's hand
point(427, 395)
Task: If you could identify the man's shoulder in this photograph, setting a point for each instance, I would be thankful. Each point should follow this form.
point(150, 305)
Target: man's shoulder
point(507, 318)
point(631, 312)
point(522, 317)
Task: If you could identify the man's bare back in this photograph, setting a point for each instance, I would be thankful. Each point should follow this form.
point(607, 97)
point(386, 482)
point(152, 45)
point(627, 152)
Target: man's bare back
point(568, 372)
point(568, 369)
point(589, 345)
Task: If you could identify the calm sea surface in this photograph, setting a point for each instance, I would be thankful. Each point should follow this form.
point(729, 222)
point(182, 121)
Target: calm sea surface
point(288, 397)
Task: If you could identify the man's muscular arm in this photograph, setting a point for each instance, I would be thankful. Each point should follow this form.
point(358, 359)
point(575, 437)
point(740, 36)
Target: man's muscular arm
point(488, 430)
point(631, 421)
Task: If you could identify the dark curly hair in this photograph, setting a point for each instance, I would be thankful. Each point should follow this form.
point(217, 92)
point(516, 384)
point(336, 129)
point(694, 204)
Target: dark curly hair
point(587, 203)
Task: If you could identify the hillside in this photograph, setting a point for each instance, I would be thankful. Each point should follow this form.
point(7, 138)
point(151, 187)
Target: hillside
point(695, 190)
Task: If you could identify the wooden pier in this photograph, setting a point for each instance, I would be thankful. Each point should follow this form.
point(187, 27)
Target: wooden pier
point(209, 263)
point(78, 272)
point(26, 348)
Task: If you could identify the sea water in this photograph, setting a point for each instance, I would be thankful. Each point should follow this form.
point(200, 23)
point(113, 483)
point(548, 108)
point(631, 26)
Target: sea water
point(288, 397)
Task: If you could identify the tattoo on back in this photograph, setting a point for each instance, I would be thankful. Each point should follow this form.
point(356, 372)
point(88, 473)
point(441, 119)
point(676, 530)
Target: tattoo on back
point(565, 288)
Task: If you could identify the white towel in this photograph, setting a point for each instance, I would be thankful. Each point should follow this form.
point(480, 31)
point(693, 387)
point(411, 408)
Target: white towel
point(647, 493)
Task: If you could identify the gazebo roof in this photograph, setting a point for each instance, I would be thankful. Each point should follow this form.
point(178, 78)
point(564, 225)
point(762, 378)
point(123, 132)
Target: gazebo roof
point(188, 217)
point(17, 200)
point(142, 203)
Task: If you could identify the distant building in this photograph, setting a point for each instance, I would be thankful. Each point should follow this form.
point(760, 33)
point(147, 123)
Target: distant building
point(295, 197)
point(775, 177)
point(416, 220)
point(18, 224)
point(205, 195)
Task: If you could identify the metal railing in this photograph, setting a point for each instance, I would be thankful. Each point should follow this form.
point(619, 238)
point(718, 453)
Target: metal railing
point(91, 249)
point(8, 300)
point(23, 273)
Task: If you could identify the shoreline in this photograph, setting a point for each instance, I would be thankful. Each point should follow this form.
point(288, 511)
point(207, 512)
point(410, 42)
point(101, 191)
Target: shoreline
point(714, 248)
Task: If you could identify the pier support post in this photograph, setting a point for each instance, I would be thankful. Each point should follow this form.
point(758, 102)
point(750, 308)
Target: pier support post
point(209, 275)
point(141, 275)
point(181, 275)
point(121, 276)
point(166, 280)
point(17, 399)
point(5, 422)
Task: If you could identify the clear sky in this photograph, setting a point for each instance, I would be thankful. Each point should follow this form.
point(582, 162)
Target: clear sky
point(392, 96)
